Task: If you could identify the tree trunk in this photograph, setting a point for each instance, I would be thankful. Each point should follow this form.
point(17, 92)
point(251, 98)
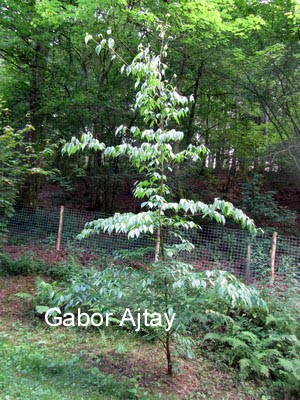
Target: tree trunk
point(176, 147)
point(193, 108)
point(38, 68)
point(169, 355)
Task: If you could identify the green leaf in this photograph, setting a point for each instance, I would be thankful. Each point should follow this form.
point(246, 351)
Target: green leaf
point(87, 38)
point(111, 43)
point(98, 49)
point(41, 309)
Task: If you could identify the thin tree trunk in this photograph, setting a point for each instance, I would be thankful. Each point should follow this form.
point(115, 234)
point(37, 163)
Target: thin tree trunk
point(176, 148)
point(169, 355)
point(193, 108)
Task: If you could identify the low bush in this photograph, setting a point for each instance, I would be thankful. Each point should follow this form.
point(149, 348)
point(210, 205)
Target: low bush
point(25, 265)
point(237, 327)
point(64, 271)
point(28, 265)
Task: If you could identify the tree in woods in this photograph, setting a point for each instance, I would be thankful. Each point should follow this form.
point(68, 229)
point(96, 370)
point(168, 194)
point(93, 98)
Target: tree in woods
point(150, 150)
point(14, 166)
point(18, 161)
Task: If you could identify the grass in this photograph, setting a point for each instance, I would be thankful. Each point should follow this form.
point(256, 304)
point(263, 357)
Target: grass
point(42, 363)
point(39, 362)
point(26, 373)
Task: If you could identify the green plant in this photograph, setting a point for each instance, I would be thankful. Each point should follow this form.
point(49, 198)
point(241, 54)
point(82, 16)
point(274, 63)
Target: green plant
point(14, 164)
point(27, 371)
point(65, 271)
point(151, 152)
point(260, 258)
point(289, 268)
point(114, 289)
point(263, 204)
point(260, 352)
point(24, 265)
point(47, 295)
point(262, 345)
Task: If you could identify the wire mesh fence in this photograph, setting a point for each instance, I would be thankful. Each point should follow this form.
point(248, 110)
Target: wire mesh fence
point(216, 247)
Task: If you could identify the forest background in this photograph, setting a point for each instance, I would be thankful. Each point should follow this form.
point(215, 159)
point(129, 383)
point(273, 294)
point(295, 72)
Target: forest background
point(239, 60)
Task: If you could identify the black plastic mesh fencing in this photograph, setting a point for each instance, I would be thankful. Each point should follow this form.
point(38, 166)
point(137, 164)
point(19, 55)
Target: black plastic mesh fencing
point(218, 247)
point(40, 226)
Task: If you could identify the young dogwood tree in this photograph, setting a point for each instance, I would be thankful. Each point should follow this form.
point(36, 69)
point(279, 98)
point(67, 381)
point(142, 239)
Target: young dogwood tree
point(151, 151)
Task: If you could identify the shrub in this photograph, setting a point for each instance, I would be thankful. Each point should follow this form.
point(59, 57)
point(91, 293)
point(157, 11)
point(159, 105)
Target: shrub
point(25, 265)
point(64, 271)
point(263, 205)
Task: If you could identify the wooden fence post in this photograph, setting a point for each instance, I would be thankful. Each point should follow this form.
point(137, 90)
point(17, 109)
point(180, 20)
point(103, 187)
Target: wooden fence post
point(248, 264)
point(60, 227)
point(273, 254)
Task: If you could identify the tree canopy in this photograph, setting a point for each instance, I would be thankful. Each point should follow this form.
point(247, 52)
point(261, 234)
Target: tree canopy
point(237, 58)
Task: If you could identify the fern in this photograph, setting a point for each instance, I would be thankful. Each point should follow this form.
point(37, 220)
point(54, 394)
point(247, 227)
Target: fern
point(262, 345)
point(250, 337)
point(289, 375)
point(290, 366)
point(245, 367)
point(234, 342)
point(263, 370)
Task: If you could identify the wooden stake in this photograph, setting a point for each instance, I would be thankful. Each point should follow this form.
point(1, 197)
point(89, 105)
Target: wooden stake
point(248, 263)
point(157, 246)
point(273, 254)
point(60, 227)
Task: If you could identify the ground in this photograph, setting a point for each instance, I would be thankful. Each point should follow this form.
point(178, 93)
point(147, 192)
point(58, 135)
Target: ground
point(91, 362)
point(45, 254)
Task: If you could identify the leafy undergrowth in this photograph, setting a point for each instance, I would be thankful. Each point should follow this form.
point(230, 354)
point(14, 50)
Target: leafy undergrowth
point(40, 362)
